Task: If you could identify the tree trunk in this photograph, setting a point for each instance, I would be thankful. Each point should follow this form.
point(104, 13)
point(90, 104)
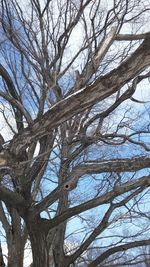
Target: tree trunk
point(43, 254)
point(16, 239)
point(15, 254)
point(38, 236)
point(39, 249)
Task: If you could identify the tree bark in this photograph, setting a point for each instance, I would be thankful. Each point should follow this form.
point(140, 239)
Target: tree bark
point(15, 248)
point(39, 249)
point(15, 255)
point(44, 255)
point(16, 239)
point(37, 230)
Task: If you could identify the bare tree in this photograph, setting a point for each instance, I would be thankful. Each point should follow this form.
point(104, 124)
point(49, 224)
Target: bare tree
point(70, 76)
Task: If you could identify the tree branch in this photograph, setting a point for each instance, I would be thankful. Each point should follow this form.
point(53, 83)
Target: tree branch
point(116, 165)
point(102, 225)
point(14, 99)
point(131, 37)
point(105, 198)
point(87, 96)
point(15, 103)
point(12, 198)
point(94, 63)
point(112, 251)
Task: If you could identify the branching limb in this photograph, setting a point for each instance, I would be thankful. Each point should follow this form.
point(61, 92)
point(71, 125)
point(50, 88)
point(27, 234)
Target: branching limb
point(116, 249)
point(51, 198)
point(131, 37)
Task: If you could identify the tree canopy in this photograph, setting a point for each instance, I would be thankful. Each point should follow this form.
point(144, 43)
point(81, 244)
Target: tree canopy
point(74, 143)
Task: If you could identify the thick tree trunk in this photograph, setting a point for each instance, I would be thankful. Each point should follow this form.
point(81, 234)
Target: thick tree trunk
point(43, 254)
point(15, 254)
point(15, 240)
point(39, 249)
point(37, 230)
